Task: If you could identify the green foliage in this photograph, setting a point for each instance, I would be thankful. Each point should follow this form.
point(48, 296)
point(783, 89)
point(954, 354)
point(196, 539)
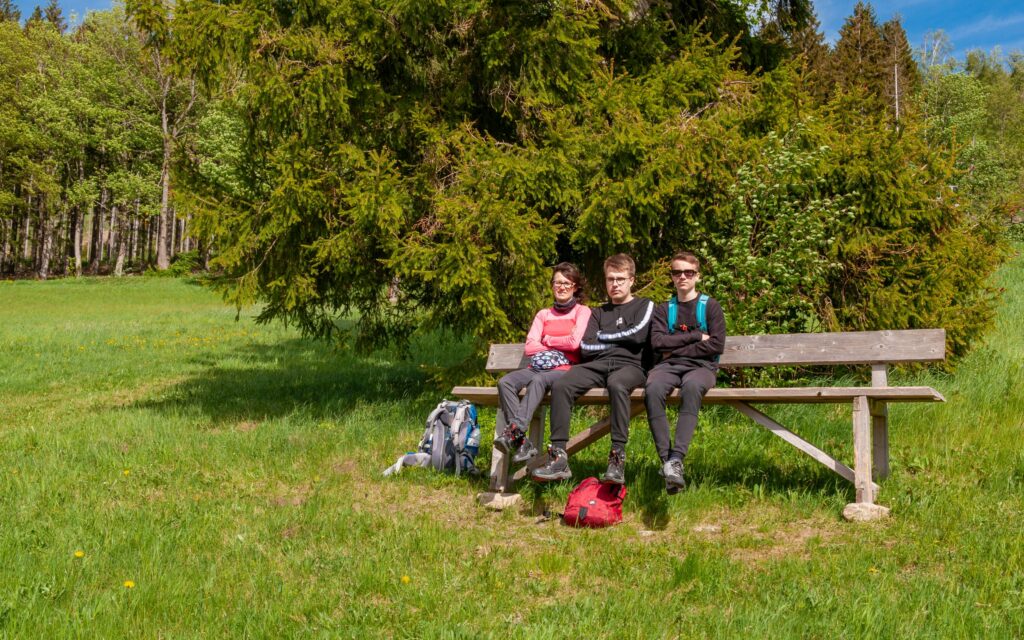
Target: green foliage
point(776, 265)
point(420, 166)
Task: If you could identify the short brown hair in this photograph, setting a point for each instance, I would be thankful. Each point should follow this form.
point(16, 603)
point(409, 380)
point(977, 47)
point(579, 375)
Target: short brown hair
point(620, 262)
point(686, 256)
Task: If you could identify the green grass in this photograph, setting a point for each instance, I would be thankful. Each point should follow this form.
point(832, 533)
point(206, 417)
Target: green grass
point(231, 471)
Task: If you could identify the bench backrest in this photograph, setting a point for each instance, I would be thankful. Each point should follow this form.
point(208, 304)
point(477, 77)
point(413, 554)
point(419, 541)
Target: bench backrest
point(839, 348)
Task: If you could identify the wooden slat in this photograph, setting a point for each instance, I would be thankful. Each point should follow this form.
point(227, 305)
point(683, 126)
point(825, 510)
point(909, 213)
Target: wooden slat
point(847, 347)
point(793, 349)
point(795, 440)
point(488, 396)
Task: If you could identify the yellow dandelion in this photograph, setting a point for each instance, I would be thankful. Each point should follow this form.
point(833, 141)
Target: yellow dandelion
point(79, 553)
point(406, 579)
point(127, 472)
point(872, 570)
point(129, 584)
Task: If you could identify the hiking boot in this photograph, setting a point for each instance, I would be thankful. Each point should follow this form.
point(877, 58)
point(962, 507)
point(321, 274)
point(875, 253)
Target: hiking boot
point(616, 472)
point(510, 439)
point(526, 451)
point(557, 467)
point(673, 473)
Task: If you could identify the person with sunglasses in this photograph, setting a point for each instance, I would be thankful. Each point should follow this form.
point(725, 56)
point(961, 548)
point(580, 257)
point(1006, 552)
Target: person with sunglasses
point(688, 357)
point(614, 350)
point(553, 346)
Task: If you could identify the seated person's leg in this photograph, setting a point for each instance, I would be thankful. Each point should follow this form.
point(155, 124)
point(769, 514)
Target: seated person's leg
point(535, 392)
point(660, 384)
point(564, 392)
point(621, 383)
point(691, 396)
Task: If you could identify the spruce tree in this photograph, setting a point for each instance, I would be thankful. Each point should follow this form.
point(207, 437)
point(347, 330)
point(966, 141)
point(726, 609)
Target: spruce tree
point(55, 16)
point(35, 18)
point(859, 60)
point(903, 79)
point(9, 12)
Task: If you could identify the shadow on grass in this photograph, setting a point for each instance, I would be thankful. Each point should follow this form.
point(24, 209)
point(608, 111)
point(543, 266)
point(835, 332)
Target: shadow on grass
point(258, 382)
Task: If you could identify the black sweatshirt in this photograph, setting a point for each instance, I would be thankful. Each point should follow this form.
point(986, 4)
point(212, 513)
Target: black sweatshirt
point(686, 344)
point(619, 331)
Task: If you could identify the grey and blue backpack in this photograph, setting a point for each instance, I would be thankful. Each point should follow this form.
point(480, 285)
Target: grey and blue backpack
point(450, 441)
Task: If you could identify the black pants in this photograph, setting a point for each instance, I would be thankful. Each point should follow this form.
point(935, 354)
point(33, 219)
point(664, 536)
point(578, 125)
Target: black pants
point(693, 381)
point(619, 376)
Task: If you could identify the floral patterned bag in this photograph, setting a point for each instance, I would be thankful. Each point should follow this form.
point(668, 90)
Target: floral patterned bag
point(547, 360)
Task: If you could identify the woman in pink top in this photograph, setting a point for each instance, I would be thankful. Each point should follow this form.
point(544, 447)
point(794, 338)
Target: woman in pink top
point(553, 346)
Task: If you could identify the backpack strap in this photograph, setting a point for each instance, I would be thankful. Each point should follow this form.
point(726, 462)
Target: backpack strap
point(702, 312)
point(458, 436)
point(430, 423)
point(673, 313)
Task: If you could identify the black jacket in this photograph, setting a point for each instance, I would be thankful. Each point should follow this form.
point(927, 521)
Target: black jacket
point(619, 331)
point(686, 343)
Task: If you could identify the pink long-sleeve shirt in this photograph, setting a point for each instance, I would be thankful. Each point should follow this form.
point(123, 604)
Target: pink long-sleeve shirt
point(552, 329)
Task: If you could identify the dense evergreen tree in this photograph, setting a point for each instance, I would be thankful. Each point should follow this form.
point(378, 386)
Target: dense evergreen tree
point(423, 164)
point(55, 16)
point(860, 60)
point(9, 12)
point(903, 79)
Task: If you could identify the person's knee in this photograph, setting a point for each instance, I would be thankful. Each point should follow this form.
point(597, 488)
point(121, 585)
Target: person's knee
point(692, 390)
point(505, 383)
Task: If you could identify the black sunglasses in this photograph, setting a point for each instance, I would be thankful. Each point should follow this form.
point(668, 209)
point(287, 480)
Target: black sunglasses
point(689, 273)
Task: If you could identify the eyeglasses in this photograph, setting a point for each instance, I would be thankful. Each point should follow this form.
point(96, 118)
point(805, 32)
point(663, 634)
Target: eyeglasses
point(689, 273)
point(562, 285)
point(617, 280)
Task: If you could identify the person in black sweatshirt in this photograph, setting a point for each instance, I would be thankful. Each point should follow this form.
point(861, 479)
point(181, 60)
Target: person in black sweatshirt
point(688, 350)
point(613, 351)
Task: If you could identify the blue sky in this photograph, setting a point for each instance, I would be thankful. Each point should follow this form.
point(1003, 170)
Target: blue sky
point(970, 24)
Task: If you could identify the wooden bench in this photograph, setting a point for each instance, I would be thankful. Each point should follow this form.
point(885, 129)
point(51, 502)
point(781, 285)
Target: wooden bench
point(879, 349)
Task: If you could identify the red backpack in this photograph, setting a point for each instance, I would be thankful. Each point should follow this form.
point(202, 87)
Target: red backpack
point(594, 504)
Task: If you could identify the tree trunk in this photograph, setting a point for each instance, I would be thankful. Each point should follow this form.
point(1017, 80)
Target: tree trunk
point(151, 236)
point(163, 258)
point(8, 233)
point(97, 233)
point(172, 233)
point(112, 233)
point(45, 243)
point(26, 236)
point(133, 246)
point(76, 239)
point(122, 246)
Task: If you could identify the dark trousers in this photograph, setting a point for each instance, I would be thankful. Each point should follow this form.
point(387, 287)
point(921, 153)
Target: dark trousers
point(620, 377)
point(519, 411)
point(693, 381)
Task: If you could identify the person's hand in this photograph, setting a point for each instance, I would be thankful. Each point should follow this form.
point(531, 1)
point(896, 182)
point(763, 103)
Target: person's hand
point(704, 337)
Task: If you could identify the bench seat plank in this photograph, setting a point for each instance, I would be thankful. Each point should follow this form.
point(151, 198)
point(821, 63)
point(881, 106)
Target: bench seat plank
point(488, 396)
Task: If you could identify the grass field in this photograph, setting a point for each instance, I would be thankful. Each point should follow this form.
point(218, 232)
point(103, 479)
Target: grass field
point(168, 472)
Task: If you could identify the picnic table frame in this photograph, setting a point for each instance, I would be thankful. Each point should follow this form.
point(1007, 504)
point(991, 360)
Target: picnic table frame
point(878, 349)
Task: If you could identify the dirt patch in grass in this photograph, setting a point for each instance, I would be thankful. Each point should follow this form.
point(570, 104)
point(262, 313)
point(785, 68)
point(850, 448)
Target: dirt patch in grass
point(292, 496)
point(246, 426)
point(759, 533)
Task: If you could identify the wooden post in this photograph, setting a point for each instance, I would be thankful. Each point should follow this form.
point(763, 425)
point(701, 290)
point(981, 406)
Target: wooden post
point(536, 434)
point(862, 450)
point(499, 461)
point(880, 423)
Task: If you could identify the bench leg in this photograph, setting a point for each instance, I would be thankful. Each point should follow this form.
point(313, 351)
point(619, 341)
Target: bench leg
point(536, 434)
point(862, 450)
point(499, 461)
point(880, 438)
